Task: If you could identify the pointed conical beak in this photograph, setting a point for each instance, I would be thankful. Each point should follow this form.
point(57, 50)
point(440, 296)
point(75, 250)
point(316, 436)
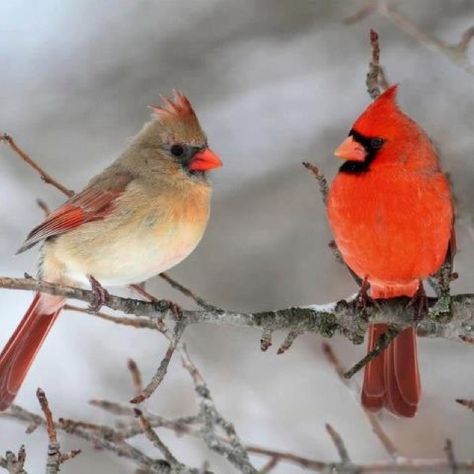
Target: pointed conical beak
point(205, 160)
point(349, 149)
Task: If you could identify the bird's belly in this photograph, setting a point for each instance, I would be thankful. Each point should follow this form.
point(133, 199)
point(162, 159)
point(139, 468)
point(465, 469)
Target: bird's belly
point(391, 235)
point(122, 258)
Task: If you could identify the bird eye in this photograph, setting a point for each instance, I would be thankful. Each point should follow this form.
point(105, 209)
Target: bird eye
point(376, 143)
point(177, 150)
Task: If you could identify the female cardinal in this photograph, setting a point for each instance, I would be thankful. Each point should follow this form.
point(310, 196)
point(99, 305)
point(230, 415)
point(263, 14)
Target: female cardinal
point(391, 213)
point(139, 217)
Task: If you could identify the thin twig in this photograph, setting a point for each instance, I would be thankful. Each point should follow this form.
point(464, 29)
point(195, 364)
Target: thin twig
point(339, 444)
point(136, 322)
point(301, 461)
point(231, 448)
point(136, 376)
point(448, 449)
point(151, 434)
point(55, 457)
point(466, 403)
point(372, 81)
point(187, 292)
point(456, 53)
point(383, 342)
point(270, 465)
point(47, 178)
point(122, 449)
point(353, 387)
point(320, 178)
point(288, 342)
point(43, 206)
point(163, 367)
point(266, 339)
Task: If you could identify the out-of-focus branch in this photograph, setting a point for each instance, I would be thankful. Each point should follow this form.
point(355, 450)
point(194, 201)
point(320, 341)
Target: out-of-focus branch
point(207, 425)
point(55, 457)
point(456, 53)
point(46, 177)
point(469, 404)
point(212, 421)
point(103, 438)
point(152, 435)
point(372, 418)
point(376, 80)
point(339, 444)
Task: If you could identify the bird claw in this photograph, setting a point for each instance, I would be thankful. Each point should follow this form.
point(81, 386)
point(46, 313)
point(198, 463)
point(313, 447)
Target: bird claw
point(363, 300)
point(167, 305)
point(419, 302)
point(100, 295)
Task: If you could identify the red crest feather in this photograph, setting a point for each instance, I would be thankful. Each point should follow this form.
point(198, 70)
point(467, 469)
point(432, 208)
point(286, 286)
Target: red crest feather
point(382, 117)
point(178, 107)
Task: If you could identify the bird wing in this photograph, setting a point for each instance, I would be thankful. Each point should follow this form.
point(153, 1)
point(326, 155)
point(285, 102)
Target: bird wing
point(95, 202)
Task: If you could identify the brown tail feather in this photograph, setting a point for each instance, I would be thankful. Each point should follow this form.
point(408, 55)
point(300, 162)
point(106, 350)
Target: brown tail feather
point(392, 379)
point(20, 350)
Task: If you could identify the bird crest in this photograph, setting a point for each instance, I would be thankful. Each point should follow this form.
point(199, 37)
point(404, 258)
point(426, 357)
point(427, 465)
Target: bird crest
point(382, 116)
point(176, 108)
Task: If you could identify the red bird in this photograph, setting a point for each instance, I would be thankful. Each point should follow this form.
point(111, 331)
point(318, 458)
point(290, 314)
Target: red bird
point(139, 217)
point(391, 212)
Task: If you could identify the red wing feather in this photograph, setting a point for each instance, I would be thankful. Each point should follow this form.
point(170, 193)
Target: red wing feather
point(89, 205)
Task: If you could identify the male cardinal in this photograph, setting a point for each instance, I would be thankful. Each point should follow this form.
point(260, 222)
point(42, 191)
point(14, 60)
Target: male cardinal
point(139, 217)
point(391, 212)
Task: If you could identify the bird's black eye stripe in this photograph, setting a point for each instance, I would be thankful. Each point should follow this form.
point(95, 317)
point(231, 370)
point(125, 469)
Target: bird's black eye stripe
point(369, 143)
point(177, 150)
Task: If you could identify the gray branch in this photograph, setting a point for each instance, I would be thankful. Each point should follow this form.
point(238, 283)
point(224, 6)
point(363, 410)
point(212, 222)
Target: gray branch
point(448, 317)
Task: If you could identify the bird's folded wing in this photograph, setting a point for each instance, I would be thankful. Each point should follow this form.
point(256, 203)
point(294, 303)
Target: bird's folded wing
point(95, 202)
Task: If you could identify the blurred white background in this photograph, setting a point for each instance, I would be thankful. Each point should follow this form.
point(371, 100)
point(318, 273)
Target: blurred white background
point(274, 83)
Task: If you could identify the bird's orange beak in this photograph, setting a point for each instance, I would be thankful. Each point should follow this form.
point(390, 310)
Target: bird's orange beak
point(349, 149)
point(205, 160)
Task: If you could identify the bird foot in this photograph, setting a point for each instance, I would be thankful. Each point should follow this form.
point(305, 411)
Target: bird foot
point(363, 300)
point(419, 302)
point(100, 295)
point(167, 305)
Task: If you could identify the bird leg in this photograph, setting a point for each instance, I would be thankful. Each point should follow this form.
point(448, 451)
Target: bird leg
point(419, 302)
point(100, 294)
point(363, 299)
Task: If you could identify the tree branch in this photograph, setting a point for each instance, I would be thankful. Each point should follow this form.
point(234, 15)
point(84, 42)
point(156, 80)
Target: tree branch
point(456, 53)
point(340, 317)
point(47, 178)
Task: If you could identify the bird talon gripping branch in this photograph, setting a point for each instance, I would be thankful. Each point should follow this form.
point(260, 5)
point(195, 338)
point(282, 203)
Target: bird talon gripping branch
point(99, 293)
point(419, 302)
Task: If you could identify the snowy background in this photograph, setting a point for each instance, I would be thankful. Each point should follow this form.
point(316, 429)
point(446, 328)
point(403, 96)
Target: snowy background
point(274, 83)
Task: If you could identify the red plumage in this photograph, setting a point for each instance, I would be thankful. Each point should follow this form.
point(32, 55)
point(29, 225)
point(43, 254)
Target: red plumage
point(391, 213)
point(20, 350)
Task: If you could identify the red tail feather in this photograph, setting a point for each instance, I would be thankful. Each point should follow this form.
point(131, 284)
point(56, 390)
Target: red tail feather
point(20, 350)
point(392, 379)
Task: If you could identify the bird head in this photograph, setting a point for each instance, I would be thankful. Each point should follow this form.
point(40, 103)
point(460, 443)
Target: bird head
point(176, 134)
point(382, 134)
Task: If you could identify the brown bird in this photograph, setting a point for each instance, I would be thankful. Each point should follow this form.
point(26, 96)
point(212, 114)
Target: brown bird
point(391, 213)
point(141, 216)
